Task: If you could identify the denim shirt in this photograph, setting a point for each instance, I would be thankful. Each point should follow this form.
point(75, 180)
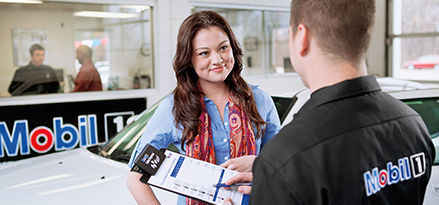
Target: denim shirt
point(161, 130)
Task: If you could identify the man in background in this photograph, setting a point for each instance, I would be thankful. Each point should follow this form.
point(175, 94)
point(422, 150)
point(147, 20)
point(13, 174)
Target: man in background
point(350, 143)
point(35, 78)
point(88, 78)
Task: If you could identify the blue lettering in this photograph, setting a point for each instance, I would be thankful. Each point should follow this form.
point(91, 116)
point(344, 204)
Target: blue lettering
point(92, 122)
point(61, 131)
point(394, 175)
point(82, 124)
point(371, 181)
point(19, 138)
point(404, 168)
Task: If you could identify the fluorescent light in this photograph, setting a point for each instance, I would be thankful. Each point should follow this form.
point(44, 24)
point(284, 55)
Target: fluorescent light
point(143, 7)
point(22, 1)
point(100, 14)
point(137, 8)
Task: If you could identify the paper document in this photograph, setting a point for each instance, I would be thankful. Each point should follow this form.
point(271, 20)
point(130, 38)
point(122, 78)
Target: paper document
point(195, 178)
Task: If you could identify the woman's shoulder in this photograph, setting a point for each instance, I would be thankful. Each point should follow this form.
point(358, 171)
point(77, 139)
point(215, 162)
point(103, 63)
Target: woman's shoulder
point(164, 112)
point(167, 102)
point(259, 93)
point(169, 98)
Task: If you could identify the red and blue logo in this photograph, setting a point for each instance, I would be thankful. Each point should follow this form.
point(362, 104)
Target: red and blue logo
point(407, 168)
point(42, 139)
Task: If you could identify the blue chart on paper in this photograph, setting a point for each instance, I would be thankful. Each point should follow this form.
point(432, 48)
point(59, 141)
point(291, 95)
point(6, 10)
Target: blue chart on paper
point(218, 189)
point(177, 167)
point(195, 178)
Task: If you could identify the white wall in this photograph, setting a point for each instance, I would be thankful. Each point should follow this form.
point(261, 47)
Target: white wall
point(376, 58)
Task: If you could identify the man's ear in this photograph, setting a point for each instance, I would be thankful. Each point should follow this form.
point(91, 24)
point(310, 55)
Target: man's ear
point(303, 39)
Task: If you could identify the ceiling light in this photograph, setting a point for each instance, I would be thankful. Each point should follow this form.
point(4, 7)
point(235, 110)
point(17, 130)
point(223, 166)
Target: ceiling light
point(143, 7)
point(22, 1)
point(100, 14)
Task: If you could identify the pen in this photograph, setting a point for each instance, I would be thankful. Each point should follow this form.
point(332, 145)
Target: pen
point(232, 185)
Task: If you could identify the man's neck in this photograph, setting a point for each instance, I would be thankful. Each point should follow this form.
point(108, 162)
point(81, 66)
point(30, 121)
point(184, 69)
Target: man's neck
point(327, 74)
point(35, 66)
point(85, 61)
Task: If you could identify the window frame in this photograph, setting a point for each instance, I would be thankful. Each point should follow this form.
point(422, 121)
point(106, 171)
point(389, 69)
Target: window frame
point(393, 38)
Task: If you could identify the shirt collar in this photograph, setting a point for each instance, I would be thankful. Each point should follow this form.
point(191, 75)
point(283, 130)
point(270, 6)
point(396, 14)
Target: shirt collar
point(252, 87)
point(345, 89)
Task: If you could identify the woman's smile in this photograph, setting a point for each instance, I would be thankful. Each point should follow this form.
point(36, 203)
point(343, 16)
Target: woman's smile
point(212, 57)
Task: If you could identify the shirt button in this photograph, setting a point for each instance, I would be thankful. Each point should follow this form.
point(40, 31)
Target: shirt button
point(225, 140)
point(226, 123)
point(226, 158)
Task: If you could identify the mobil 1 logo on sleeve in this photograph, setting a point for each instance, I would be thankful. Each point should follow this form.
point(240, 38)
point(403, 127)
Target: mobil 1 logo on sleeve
point(115, 122)
point(406, 168)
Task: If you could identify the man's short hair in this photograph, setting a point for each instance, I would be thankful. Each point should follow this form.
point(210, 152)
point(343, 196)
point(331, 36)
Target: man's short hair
point(342, 28)
point(35, 47)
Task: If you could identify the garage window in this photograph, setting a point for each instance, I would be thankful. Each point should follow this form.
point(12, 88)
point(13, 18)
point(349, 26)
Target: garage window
point(413, 39)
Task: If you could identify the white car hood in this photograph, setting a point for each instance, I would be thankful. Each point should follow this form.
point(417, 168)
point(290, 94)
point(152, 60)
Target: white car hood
point(70, 177)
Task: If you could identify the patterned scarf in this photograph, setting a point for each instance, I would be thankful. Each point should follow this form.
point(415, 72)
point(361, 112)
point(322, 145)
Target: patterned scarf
point(242, 137)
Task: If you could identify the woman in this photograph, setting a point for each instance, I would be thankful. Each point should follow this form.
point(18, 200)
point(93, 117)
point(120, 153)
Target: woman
point(211, 103)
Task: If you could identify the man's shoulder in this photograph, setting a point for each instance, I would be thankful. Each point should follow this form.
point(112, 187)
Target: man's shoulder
point(287, 144)
point(22, 68)
point(395, 103)
point(88, 68)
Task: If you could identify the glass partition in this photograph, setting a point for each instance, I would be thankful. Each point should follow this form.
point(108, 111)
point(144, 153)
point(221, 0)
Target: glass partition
point(119, 37)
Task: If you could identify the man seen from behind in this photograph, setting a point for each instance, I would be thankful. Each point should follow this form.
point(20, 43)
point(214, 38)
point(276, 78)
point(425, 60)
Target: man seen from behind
point(350, 143)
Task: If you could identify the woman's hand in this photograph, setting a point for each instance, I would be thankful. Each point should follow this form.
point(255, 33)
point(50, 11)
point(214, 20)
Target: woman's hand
point(240, 164)
point(228, 201)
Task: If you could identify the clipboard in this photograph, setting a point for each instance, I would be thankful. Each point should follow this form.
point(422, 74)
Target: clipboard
point(186, 176)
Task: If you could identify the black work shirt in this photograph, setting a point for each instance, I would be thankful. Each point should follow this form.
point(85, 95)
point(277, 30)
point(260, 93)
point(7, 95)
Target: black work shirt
point(349, 144)
point(29, 80)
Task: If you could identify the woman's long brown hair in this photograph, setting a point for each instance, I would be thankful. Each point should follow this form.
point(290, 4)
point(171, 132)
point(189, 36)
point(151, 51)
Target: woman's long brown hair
point(187, 94)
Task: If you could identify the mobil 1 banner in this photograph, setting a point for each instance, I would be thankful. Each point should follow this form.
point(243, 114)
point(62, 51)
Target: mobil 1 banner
point(32, 130)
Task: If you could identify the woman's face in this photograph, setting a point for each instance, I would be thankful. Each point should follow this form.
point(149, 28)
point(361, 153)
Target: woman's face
point(212, 57)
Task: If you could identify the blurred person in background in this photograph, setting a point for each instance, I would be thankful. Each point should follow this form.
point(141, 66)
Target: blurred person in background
point(35, 78)
point(88, 78)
